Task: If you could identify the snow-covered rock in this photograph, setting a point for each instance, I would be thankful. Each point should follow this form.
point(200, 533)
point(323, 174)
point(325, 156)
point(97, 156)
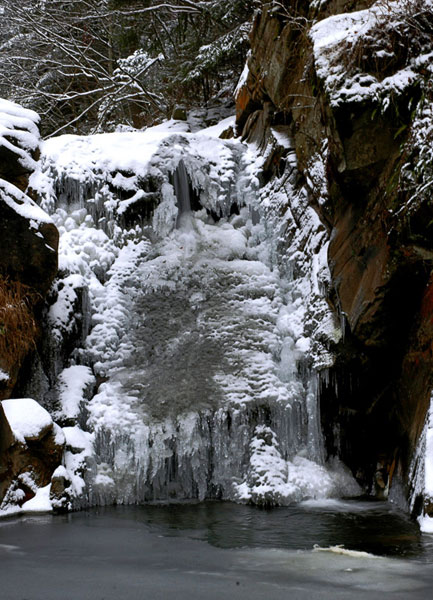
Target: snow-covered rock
point(28, 237)
point(343, 43)
point(19, 134)
point(29, 458)
point(28, 420)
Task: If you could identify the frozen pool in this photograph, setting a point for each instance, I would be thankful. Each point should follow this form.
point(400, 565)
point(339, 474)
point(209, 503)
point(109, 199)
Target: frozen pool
point(215, 551)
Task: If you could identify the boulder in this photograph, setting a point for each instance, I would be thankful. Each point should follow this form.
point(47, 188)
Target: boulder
point(31, 450)
point(179, 113)
point(28, 240)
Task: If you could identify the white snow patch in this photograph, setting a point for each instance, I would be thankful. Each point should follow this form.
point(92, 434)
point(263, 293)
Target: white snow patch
point(27, 418)
point(40, 502)
point(425, 523)
point(340, 549)
point(73, 383)
point(78, 440)
point(217, 130)
point(22, 204)
point(331, 39)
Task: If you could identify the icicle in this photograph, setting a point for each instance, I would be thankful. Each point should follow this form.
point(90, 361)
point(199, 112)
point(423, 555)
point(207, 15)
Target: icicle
point(421, 474)
point(182, 192)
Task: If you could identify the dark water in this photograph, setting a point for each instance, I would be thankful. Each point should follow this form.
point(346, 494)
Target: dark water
point(216, 551)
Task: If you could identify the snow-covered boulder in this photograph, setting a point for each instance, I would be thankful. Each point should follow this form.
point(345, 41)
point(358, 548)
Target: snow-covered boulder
point(31, 453)
point(28, 420)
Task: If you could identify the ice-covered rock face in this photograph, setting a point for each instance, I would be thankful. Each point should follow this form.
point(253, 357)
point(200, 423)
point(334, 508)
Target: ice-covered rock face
point(204, 335)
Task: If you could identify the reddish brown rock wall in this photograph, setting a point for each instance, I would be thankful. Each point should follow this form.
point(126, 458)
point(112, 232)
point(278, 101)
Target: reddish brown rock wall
point(28, 265)
point(381, 272)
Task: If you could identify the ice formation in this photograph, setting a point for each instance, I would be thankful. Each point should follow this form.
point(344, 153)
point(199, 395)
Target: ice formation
point(196, 305)
point(421, 474)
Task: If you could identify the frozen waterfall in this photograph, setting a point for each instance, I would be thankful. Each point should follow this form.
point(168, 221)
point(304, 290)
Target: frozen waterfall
point(198, 376)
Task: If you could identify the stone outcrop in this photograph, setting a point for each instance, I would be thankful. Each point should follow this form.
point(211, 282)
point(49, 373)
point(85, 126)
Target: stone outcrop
point(350, 155)
point(28, 254)
point(28, 238)
point(28, 242)
point(28, 265)
point(29, 455)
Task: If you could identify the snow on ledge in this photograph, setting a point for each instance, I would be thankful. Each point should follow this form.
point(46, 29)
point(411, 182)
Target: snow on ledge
point(25, 117)
point(22, 204)
point(243, 78)
point(332, 36)
point(330, 32)
point(27, 419)
point(19, 131)
point(216, 130)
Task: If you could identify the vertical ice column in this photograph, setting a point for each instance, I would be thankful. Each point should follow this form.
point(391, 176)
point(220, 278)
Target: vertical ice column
point(181, 189)
point(421, 474)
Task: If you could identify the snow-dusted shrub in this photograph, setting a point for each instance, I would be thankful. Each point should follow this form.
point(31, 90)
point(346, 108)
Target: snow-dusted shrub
point(374, 54)
point(400, 31)
point(417, 172)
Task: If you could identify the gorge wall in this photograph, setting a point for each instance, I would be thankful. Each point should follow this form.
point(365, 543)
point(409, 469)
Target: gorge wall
point(28, 265)
point(351, 101)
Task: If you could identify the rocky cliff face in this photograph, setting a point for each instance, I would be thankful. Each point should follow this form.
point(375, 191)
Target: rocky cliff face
point(28, 242)
point(351, 101)
point(28, 264)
